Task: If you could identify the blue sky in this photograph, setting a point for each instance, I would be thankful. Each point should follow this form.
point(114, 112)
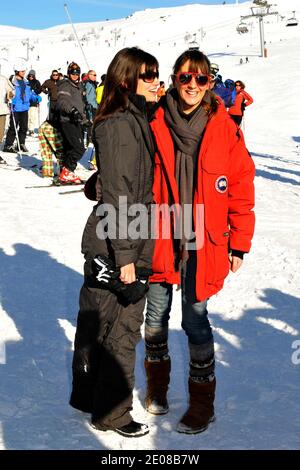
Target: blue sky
point(35, 14)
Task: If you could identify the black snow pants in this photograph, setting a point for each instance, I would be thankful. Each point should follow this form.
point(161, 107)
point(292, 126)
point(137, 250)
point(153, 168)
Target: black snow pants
point(21, 121)
point(106, 337)
point(72, 144)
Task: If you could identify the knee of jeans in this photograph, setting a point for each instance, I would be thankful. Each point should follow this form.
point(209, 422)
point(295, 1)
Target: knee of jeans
point(195, 323)
point(157, 317)
point(159, 302)
point(197, 334)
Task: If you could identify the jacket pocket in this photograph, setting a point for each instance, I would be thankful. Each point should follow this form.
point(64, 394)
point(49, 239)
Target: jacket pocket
point(217, 255)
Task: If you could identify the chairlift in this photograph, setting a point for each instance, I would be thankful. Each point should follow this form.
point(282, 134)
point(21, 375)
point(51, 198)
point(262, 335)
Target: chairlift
point(242, 28)
point(194, 46)
point(292, 21)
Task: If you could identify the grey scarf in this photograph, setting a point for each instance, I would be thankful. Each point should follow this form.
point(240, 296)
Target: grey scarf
point(187, 137)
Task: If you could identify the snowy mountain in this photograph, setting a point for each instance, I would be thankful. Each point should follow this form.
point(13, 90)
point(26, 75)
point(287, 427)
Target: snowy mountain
point(256, 315)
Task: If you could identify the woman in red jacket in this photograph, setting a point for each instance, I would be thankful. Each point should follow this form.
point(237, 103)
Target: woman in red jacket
point(202, 168)
point(242, 99)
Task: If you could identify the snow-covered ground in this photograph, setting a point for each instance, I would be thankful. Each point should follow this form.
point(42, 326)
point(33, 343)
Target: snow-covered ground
point(255, 317)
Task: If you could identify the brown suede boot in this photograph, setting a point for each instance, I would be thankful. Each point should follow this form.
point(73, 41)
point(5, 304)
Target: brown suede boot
point(201, 410)
point(158, 378)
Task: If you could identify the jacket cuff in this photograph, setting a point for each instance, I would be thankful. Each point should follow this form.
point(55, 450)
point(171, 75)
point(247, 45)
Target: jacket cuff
point(237, 253)
point(124, 257)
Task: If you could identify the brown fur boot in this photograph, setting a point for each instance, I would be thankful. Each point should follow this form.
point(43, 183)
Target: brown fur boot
point(201, 409)
point(158, 378)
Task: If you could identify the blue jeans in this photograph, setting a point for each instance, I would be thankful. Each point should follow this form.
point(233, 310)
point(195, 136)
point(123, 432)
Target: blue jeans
point(194, 314)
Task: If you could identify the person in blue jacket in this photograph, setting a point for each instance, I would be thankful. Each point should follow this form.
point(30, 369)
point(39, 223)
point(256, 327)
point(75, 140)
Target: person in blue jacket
point(91, 105)
point(219, 88)
point(19, 111)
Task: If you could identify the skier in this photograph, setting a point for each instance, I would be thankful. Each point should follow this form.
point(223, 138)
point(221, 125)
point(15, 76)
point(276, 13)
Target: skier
point(218, 87)
point(89, 87)
point(19, 110)
point(35, 100)
point(49, 87)
point(242, 100)
point(6, 95)
point(70, 107)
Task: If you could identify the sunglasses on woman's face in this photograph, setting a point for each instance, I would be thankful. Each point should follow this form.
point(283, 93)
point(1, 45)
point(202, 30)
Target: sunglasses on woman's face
point(149, 77)
point(184, 78)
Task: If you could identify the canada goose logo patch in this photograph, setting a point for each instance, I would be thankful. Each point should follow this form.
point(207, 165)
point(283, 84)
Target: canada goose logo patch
point(221, 184)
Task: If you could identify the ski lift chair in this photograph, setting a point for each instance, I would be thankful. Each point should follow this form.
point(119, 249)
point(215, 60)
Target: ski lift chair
point(194, 46)
point(242, 28)
point(292, 22)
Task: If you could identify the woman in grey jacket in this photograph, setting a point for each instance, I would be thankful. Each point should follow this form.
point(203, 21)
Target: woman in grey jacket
point(112, 297)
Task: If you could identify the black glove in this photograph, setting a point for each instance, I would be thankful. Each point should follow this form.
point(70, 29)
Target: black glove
point(108, 277)
point(75, 116)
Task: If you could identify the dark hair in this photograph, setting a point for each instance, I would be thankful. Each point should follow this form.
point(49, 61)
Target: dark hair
point(122, 79)
point(73, 66)
point(197, 60)
point(239, 82)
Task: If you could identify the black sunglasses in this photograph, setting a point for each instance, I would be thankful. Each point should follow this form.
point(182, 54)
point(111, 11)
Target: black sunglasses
point(184, 78)
point(74, 72)
point(149, 76)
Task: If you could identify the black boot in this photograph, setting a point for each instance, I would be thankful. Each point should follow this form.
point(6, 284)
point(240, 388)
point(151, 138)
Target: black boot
point(24, 148)
point(9, 149)
point(133, 429)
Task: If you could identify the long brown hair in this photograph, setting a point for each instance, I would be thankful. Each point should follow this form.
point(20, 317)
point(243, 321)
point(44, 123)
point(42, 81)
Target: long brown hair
point(122, 79)
point(197, 60)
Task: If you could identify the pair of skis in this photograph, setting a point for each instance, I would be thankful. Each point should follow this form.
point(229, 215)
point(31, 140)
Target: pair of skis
point(56, 183)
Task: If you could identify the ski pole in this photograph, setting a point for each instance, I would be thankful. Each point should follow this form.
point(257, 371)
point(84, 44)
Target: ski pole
point(16, 131)
point(39, 115)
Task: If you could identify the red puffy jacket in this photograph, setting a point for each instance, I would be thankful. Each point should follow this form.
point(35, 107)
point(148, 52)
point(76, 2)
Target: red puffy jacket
point(242, 98)
point(225, 188)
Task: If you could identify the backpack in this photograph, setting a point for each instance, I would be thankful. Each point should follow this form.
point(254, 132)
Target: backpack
point(230, 85)
point(224, 93)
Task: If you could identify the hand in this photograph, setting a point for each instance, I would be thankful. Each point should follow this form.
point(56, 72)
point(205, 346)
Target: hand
point(128, 274)
point(108, 277)
point(235, 263)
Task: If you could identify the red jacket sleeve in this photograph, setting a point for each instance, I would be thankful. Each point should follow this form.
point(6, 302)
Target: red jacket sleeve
point(247, 97)
point(241, 196)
